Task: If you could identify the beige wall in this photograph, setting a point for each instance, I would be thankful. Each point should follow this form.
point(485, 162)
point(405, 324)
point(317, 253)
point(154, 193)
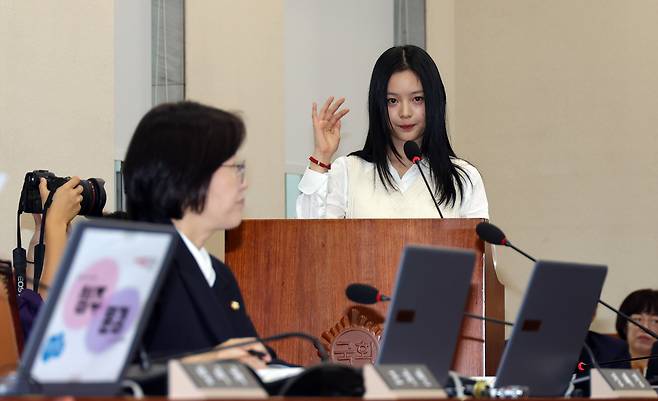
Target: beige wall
point(56, 97)
point(555, 105)
point(234, 61)
point(57, 91)
point(440, 35)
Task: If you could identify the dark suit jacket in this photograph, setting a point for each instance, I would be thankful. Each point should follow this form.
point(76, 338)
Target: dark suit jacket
point(189, 315)
point(652, 367)
point(605, 349)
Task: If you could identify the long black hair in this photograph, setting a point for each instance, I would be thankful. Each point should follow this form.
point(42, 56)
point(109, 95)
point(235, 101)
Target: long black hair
point(448, 178)
point(172, 156)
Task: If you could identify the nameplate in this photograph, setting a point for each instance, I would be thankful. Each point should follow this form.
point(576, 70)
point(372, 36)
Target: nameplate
point(394, 382)
point(620, 383)
point(212, 379)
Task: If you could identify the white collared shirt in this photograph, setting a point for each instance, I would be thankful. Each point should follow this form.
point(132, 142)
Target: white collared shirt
point(348, 190)
point(202, 258)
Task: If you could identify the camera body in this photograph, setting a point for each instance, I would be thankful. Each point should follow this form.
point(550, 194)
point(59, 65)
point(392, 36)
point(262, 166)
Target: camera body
point(93, 193)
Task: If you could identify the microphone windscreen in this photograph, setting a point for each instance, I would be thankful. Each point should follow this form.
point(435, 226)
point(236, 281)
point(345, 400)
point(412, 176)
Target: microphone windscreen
point(490, 233)
point(361, 293)
point(412, 151)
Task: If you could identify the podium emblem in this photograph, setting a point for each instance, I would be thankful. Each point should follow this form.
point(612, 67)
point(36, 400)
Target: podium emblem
point(353, 340)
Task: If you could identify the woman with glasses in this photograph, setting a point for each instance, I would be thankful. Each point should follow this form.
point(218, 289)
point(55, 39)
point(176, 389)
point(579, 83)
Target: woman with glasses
point(642, 307)
point(181, 168)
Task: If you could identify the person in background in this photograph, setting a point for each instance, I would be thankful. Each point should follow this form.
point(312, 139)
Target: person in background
point(641, 306)
point(65, 206)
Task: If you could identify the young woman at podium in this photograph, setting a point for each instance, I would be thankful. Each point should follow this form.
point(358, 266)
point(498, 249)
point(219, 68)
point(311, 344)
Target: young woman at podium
point(406, 102)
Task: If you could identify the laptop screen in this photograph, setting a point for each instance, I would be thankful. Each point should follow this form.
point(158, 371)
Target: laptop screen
point(427, 308)
point(87, 329)
point(551, 327)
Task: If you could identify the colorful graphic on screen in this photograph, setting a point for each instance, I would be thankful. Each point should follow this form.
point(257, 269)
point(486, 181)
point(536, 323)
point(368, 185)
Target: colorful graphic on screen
point(92, 287)
point(98, 304)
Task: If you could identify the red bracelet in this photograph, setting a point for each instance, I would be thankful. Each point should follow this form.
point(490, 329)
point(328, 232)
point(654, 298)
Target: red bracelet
point(319, 163)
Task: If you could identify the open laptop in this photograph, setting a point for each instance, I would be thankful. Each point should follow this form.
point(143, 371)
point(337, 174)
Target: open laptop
point(87, 331)
point(427, 308)
point(551, 327)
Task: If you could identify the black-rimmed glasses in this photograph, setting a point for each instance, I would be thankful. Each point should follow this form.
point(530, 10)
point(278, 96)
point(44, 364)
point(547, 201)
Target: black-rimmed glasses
point(240, 169)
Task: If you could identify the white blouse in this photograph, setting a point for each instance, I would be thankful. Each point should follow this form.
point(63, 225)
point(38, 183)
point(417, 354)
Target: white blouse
point(352, 189)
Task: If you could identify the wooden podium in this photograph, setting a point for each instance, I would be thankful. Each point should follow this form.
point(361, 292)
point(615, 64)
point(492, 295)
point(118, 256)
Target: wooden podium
point(293, 275)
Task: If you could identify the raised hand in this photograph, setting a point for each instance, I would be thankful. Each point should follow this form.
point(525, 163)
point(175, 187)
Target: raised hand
point(326, 129)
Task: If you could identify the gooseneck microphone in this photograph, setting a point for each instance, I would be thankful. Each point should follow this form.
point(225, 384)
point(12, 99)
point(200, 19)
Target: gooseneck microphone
point(364, 294)
point(412, 151)
point(494, 235)
point(368, 295)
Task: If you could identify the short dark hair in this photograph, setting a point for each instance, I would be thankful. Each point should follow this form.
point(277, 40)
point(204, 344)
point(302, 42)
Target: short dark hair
point(172, 156)
point(640, 301)
point(449, 178)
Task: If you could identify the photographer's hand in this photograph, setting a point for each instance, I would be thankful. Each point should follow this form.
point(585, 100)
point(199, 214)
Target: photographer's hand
point(66, 202)
point(64, 207)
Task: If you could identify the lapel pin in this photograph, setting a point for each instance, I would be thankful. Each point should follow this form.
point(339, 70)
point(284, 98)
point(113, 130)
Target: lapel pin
point(235, 305)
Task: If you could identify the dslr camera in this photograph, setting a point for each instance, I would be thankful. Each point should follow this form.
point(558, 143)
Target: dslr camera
point(93, 193)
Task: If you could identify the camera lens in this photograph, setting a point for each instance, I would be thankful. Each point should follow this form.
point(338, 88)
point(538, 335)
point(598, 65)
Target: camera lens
point(93, 197)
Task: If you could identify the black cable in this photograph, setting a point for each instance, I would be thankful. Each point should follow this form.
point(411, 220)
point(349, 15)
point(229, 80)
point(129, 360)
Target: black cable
point(639, 358)
point(488, 319)
point(276, 337)
point(591, 355)
point(428, 187)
